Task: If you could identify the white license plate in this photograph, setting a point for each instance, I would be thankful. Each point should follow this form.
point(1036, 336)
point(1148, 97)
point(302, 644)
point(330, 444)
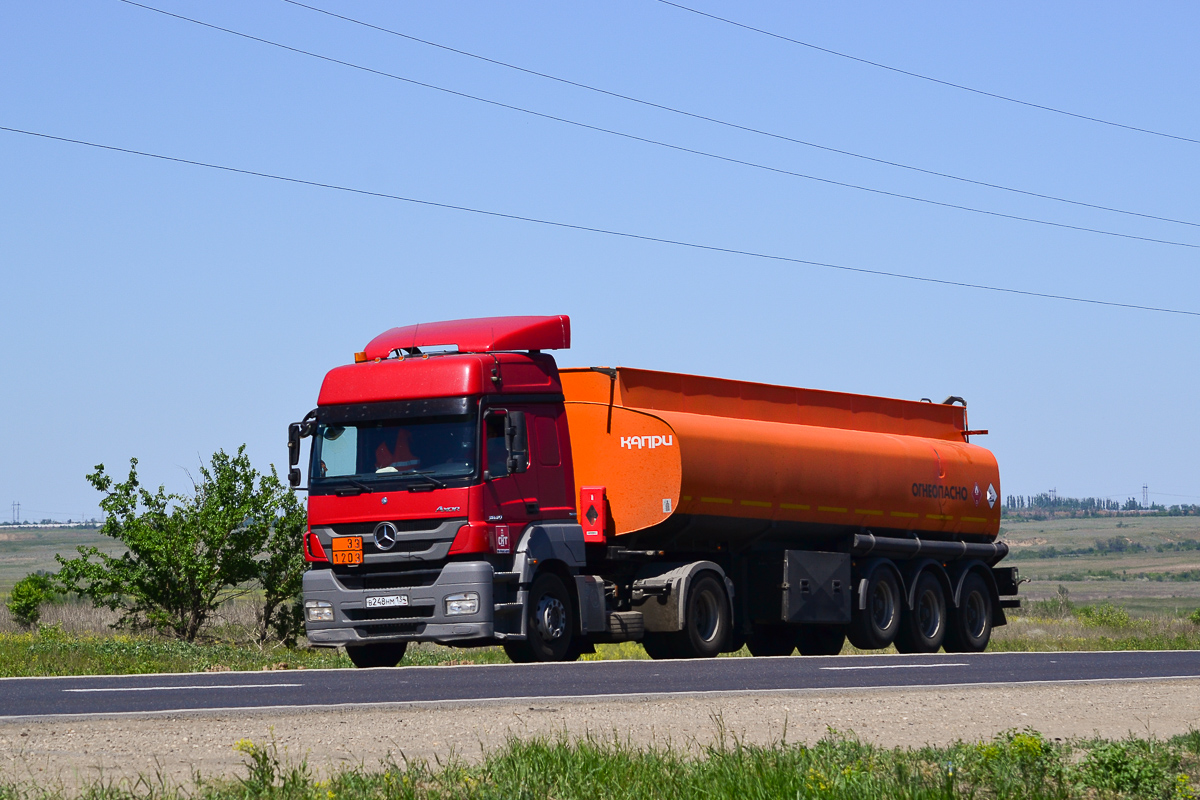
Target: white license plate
point(387, 602)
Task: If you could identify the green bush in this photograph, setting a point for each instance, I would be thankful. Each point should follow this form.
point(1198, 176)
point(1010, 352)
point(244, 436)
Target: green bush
point(1104, 615)
point(28, 596)
point(187, 554)
point(1195, 616)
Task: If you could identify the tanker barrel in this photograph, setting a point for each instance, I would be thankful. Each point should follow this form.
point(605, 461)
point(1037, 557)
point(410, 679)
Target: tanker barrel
point(870, 544)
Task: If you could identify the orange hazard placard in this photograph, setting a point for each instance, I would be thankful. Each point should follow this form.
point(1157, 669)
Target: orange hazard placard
point(347, 550)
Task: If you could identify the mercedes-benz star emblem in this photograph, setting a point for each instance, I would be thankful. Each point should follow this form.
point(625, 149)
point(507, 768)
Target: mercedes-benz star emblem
point(385, 535)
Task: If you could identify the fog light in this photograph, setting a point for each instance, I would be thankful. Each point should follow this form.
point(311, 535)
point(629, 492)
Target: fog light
point(318, 611)
point(459, 604)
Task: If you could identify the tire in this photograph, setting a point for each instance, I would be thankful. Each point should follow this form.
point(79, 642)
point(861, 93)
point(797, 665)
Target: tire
point(706, 620)
point(549, 623)
point(772, 640)
point(923, 627)
point(876, 626)
point(969, 627)
point(658, 645)
point(383, 654)
point(821, 640)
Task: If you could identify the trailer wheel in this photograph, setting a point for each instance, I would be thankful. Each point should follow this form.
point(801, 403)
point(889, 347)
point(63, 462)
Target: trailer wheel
point(383, 654)
point(821, 640)
point(706, 621)
point(875, 627)
point(923, 627)
point(970, 625)
point(548, 626)
point(772, 640)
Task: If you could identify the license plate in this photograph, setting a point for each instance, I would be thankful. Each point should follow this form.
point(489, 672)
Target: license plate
point(388, 601)
point(347, 550)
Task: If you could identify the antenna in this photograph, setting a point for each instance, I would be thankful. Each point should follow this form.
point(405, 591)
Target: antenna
point(1145, 496)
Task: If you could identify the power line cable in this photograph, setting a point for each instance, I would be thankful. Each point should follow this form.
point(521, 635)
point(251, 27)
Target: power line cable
point(604, 231)
point(667, 145)
point(930, 78)
point(740, 127)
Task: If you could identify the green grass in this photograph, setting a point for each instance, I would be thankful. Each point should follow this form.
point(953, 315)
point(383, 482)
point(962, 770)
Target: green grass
point(26, 550)
point(1015, 764)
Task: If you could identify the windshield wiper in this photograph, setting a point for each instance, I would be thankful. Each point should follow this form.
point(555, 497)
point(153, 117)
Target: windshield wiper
point(423, 475)
point(359, 485)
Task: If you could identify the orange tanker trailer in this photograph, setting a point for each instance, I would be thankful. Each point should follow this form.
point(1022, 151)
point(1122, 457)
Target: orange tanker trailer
point(465, 490)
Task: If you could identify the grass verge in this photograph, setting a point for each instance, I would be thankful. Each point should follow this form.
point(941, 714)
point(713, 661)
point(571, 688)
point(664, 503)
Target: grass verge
point(1015, 764)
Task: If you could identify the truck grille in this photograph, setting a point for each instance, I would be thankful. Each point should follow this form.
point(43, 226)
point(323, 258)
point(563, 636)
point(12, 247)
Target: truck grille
point(360, 581)
point(398, 612)
point(403, 526)
point(391, 630)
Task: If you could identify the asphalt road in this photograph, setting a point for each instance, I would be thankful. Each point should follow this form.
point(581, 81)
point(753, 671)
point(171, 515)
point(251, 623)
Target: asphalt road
point(143, 694)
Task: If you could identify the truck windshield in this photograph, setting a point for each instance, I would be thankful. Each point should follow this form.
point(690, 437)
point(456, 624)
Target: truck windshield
point(375, 452)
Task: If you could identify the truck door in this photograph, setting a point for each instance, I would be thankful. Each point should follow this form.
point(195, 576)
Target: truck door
point(511, 498)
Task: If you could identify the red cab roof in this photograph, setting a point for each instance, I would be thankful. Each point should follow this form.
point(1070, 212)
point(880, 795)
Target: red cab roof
point(483, 335)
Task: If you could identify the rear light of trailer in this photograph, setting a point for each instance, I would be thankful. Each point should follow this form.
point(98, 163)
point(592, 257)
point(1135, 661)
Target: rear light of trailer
point(313, 550)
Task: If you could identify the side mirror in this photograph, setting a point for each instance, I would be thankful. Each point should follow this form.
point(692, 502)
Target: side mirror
point(293, 477)
point(516, 439)
point(294, 444)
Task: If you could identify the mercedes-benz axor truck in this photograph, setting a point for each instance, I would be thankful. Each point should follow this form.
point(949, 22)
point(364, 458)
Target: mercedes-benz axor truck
point(463, 489)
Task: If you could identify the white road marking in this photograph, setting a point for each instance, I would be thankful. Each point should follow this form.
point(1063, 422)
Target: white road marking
point(176, 688)
point(898, 666)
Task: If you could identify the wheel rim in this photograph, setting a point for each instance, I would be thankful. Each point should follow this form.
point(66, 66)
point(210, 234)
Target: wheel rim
point(929, 615)
point(707, 617)
point(976, 615)
point(551, 618)
point(883, 606)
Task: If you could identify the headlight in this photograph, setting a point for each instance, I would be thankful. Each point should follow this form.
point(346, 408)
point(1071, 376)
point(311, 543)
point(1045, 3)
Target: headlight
point(465, 603)
point(318, 611)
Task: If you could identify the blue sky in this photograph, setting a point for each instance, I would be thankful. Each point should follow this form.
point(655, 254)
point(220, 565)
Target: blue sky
point(163, 311)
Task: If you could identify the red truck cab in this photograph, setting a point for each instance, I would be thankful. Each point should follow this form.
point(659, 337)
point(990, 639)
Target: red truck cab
point(429, 456)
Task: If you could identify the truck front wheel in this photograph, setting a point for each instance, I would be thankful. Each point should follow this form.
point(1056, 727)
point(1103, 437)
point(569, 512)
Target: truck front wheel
point(383, 654)
point(970, 625)
point(548, 624)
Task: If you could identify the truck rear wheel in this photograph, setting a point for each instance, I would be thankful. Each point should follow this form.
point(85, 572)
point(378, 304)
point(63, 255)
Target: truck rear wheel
point(875, 626)
point(923, 627)
point(772, 640)
point(549, 628)
point(382, 654)
point(969, 627)
point(821, 640)
point(659, 646)
point(706, 622)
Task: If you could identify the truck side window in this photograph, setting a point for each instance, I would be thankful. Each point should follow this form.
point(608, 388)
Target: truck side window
point(497, 452)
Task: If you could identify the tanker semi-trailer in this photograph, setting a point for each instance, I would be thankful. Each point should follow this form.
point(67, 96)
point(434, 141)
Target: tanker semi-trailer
point(464, 490)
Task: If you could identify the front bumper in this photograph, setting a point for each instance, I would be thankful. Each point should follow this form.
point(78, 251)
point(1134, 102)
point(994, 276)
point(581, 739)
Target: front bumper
point(423, 619)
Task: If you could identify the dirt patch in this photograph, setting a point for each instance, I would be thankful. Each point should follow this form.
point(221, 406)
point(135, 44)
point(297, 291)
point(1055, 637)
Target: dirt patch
point(79, 750)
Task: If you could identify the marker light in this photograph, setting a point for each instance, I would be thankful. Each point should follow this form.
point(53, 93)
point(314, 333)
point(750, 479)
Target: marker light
point(459, 604)
point(318, 611)
point(360, 358)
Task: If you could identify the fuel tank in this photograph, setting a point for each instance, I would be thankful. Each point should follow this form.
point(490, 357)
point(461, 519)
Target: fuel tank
point(682, 455)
